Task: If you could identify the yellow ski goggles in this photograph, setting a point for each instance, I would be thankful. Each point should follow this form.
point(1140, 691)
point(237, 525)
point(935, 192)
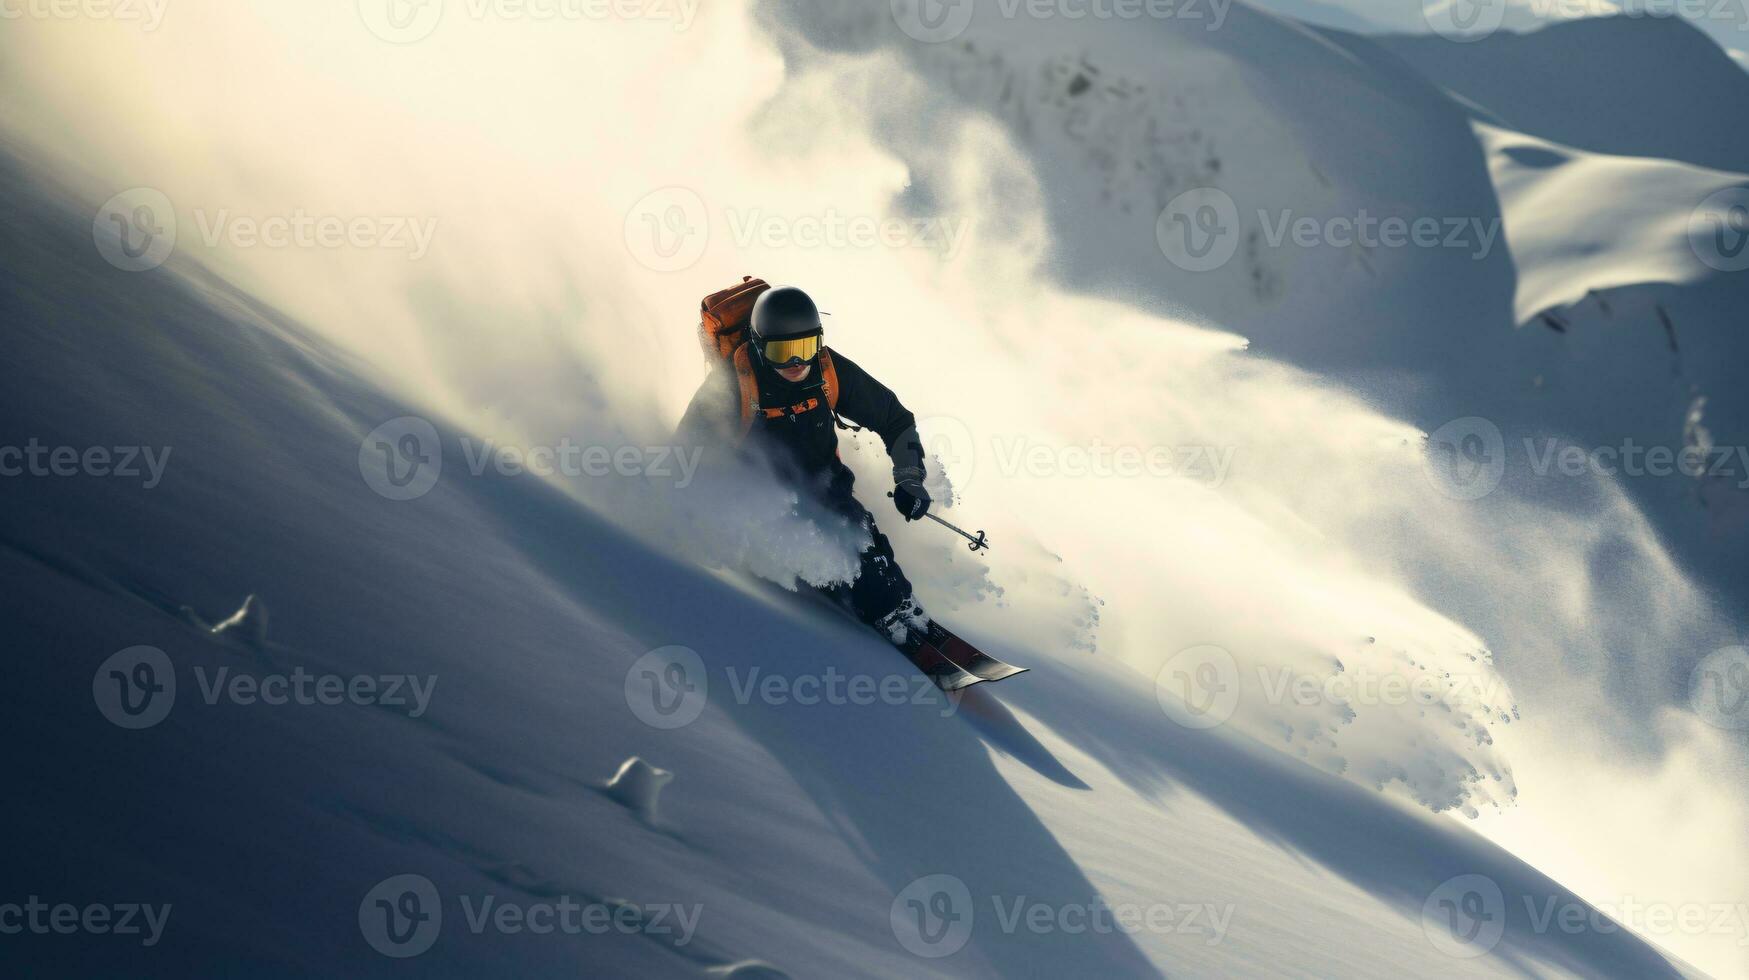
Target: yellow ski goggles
point(790, 351)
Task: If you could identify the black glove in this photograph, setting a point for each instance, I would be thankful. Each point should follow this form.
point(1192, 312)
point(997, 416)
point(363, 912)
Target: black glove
point(911, 499)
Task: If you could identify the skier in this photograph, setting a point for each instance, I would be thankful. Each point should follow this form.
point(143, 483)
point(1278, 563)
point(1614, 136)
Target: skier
point(782, 395)
point(776, 390)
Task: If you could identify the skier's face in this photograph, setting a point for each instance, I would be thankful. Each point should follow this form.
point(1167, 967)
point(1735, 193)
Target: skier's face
point(797, 373)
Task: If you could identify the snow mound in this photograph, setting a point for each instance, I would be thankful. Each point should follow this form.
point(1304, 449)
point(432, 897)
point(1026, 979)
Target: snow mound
point(637, 786)
point(248, 623)
point(1582, 222)
point(748, 970)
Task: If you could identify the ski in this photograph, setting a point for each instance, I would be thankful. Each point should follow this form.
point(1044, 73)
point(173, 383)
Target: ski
point(969, 658)
point(938, 668)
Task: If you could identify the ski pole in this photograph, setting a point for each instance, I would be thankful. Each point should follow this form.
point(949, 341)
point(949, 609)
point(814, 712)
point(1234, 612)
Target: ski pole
point(977, 544)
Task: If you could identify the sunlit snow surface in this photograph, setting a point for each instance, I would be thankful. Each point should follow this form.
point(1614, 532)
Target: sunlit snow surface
point(1300, 543)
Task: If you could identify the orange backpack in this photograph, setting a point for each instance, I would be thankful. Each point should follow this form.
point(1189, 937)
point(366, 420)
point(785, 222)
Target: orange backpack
point(724, 329)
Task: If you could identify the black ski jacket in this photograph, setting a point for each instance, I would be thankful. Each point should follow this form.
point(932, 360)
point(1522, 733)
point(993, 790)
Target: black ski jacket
point(802, 444)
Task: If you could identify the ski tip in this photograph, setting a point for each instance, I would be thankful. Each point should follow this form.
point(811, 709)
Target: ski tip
point(956, 682)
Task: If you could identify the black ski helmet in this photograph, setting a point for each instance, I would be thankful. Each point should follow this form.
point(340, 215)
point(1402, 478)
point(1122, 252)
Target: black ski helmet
point(784, 311)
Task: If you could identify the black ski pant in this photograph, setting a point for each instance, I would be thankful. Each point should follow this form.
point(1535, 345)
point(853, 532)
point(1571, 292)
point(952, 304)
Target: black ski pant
point(880, 585)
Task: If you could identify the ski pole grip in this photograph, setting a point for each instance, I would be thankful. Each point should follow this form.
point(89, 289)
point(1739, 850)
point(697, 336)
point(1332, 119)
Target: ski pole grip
point(978, 543)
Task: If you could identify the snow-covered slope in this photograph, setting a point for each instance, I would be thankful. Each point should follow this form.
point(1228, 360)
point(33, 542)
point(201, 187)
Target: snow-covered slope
point(1308, 539)
point(1478, 25)
point(1638, 87)
point(791, 830)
